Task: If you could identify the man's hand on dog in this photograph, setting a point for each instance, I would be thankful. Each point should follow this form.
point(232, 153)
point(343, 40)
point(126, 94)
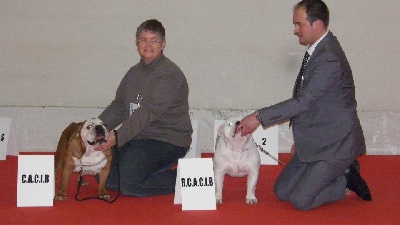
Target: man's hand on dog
point(109, 144)
point(248, 125)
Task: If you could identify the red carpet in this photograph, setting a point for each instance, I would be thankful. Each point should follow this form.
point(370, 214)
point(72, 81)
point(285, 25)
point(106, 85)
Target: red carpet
point(381, 172)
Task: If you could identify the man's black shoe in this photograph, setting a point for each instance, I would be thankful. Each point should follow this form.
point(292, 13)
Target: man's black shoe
point(356, 183)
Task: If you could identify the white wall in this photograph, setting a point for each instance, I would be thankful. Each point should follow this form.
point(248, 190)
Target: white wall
point(237, 55)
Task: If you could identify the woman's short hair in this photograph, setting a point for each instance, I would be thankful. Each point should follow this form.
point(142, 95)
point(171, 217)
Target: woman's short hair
point(152, 25)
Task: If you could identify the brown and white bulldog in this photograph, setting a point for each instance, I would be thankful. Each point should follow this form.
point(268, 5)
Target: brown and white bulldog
point(75, 153)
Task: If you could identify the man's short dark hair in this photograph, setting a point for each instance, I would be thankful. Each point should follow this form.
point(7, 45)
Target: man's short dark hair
point(315, 9)
point(152, 25)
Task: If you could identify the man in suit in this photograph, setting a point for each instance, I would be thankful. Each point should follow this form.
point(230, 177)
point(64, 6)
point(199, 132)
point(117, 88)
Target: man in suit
point(327, 133)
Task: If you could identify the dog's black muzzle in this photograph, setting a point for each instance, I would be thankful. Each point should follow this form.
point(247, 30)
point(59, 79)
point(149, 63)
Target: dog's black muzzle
point(100, 135)
point(99, 130)
point(236, 124)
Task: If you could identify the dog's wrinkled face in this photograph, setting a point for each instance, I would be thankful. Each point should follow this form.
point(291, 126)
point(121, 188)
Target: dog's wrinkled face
point(230, 127)
point(234, 141)
point(94, 132)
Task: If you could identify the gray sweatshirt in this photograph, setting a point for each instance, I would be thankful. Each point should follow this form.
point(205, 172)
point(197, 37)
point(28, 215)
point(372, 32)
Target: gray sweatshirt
point(151, 102)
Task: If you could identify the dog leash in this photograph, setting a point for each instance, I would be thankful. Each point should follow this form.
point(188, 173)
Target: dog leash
point(261, 148)
point(268, 154)
point(118, 176)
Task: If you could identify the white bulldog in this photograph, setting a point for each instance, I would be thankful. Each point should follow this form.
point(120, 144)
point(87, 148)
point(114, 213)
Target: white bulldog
point(236, 156)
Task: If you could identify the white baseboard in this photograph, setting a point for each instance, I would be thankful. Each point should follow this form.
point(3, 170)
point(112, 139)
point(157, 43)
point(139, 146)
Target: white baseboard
point(39, 128)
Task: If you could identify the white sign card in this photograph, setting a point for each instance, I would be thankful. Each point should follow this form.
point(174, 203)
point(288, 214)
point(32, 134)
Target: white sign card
point(194, 150)
point(267, 139)
point(178, 195)
point(197, 184)
point(35, 183)
point(8, 140)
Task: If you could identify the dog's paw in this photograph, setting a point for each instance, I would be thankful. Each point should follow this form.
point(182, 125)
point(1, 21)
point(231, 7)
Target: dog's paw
point(60, 197)
point(105, 196)
point(251, 201)
point(219, 200)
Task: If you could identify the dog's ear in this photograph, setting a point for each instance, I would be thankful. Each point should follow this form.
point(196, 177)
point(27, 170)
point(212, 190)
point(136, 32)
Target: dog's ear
point(72, 127)
point(220, 130)
point(63, 142)
point(80, 126)
point(75, 143)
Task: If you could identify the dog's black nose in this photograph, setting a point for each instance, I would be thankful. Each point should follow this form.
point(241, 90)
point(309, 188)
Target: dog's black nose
point(99, 130)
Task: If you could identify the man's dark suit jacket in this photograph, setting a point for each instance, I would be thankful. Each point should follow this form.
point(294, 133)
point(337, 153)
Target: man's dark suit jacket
point(325, 124)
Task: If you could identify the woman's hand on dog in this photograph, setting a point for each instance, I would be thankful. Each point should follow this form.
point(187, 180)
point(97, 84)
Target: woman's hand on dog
point(247, 125)
point(109, 144)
